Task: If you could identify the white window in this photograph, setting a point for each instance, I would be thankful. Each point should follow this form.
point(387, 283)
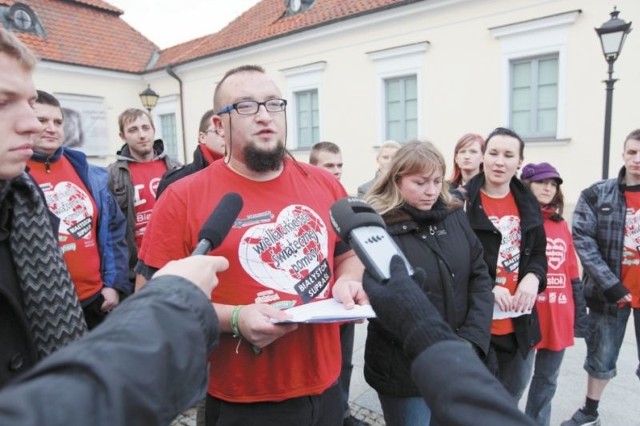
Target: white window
point(399, 72)
point(534, 96)
point(304, 84)
point(307, 118)
point(534, 67)
point(401, 111)
point(169, 133)
point(165, 119)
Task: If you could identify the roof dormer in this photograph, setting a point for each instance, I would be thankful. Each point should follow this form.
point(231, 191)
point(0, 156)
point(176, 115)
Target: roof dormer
point(297, 6)
point(21, 18)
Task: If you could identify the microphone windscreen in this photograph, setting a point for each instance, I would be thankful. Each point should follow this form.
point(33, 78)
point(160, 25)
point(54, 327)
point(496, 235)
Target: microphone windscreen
point(219, 223)
point(349, 213)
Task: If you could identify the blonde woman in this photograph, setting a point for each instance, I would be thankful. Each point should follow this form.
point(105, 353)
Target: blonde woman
point(430, 228)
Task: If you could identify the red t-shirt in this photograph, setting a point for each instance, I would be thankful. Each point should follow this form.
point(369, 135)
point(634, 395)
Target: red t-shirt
point(70, 200)
point(145, 178)
point(281, 252)
point(631, 250)
point(555, 304)
point(503, 213)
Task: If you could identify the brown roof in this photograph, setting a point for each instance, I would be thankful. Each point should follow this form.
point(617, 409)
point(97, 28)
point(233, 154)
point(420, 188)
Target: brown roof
point(88, 33)
point(266, 21)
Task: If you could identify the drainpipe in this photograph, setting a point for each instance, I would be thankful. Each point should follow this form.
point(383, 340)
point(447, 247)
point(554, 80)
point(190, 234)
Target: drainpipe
point(172, 73)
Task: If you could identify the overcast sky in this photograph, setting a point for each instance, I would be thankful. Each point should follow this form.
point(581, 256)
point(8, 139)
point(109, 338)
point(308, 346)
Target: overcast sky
point(169, 22)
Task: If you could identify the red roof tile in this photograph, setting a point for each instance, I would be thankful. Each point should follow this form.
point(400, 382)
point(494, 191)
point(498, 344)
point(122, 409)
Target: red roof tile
point(266, 21)
point(100, 5)
point(88, 33)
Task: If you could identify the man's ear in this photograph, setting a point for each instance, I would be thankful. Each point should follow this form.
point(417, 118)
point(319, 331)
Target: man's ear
point(122, 137)
point(217, 124)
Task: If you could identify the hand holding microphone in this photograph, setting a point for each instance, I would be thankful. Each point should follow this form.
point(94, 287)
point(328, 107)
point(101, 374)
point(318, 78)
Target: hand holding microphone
point(200, 270)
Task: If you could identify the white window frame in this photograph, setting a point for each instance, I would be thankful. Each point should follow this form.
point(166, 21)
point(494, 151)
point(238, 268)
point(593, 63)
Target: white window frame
point(300, 79)
point(169, 105)
point(536, 38)
point(398, 62)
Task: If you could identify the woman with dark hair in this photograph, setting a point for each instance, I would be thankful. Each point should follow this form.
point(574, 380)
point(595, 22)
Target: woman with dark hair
point(561, 307)
point(430, 228)
point(467, 159)
point(506, 218)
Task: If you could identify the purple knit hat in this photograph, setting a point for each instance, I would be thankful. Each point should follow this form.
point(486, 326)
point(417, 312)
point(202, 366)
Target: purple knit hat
point(537, 172)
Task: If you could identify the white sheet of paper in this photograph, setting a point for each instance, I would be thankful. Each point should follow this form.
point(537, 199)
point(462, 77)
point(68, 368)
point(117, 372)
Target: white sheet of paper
point(498, 314)
point(328, 310)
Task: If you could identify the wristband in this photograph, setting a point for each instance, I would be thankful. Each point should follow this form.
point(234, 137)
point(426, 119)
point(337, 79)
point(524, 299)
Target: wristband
point(235, 314)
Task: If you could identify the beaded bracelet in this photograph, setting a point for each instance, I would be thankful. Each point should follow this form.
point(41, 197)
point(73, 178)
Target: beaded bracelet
point(235, 314)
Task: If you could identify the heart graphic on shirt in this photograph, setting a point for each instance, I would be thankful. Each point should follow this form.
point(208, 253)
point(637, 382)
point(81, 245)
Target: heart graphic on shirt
point(556, 252)
point(632, 234)
point(153, 186)
point(282, 253)
point(73, 206)
point(509, 252)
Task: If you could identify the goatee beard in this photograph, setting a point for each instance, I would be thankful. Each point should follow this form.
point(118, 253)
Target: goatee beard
point(263, 161)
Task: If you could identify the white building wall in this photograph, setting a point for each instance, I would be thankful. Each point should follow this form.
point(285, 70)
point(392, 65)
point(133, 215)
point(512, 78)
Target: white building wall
point(462, 81)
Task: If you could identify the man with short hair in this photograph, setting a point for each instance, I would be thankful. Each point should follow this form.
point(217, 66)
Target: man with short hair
point(328, 156)
point(606, 230)
point(282, 252)
point(135, 175)
point(39, 309)
point(92, 227)
point(210, 148)
point(387, 150)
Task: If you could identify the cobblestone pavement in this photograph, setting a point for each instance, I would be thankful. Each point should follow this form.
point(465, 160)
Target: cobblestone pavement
point(188, 418)
point(372, 417)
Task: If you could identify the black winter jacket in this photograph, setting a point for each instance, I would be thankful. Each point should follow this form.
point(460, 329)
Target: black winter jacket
point(17, 348)
point(458, 284)
point(199, 162)
point(533, 245)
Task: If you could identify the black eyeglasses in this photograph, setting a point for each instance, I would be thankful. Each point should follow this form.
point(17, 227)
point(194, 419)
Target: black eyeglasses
point(252, 107)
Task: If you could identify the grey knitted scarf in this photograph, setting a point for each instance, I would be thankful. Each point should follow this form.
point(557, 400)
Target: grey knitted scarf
point(49, 297)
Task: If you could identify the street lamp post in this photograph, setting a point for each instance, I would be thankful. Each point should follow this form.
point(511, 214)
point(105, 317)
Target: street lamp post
point(149, 98)
point(612, 35)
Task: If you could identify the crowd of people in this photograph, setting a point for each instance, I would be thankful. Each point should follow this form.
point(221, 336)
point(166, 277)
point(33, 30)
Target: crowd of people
point(99, 317)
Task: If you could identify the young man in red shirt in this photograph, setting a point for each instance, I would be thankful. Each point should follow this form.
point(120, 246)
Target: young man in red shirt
point(92, 227)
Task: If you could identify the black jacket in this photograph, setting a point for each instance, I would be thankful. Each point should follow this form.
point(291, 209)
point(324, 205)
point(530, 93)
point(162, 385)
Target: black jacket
point(199, 162)
point(17, 348)
point(460, 391)
point(145, 364)
point(458, 284)
point(533, 245)
point(18, 351)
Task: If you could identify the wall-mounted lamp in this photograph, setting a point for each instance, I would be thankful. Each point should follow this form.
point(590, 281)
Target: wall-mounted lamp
point(149, 98)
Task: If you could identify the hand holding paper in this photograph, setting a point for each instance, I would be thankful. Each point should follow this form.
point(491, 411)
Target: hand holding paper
point(329, 310)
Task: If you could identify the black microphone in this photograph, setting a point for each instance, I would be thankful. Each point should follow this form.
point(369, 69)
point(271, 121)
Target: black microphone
point(219, 223)
point(358, 224)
